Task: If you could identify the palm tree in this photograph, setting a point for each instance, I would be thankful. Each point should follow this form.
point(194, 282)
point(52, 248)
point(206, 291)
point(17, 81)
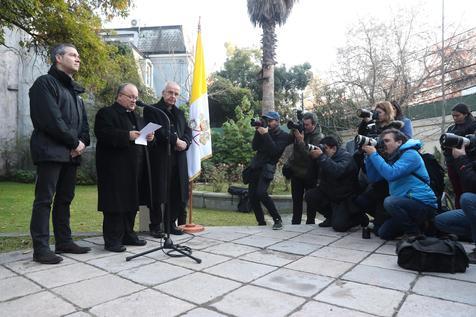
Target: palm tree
point(266, 14)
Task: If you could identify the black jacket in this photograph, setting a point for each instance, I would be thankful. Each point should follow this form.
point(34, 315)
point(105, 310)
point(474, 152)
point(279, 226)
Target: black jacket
point(300, 163)
point(467, 127)
point(338, 175)
point(269, 147)
point(466, 168)
point(59, 118)
point(119, 161)
point(158, 151)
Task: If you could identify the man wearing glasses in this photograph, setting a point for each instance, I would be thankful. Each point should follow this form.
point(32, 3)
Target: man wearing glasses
point(120, 168)
point(169, 174)
point(60, 136)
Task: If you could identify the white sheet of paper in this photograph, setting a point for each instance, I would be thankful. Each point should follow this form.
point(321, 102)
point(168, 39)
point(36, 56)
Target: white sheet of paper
point(149, 128)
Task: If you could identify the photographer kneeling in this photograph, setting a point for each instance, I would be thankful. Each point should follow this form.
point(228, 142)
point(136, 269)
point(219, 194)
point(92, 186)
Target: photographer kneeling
point(462, 222)
point(338, 183)
point(300, 167)
point(411, 203)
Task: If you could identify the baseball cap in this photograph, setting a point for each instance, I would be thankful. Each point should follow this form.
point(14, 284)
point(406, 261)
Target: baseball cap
point(273, 115)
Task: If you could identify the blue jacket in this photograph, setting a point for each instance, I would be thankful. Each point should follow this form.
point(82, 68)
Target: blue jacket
point(399, 176)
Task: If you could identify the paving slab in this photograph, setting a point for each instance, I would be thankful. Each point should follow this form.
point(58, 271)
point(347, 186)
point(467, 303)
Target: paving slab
point(239, 270)
point(358, 243)
point(381, 277)
point(384, 261)
point(17, 286)
point(117, 262)
point(98, 290)
point(198, 287)
point(28, 266)
point(4, 273)
point(314, 308)
point(269, 257)
point(295, 283)
point(231, 249)
point(468, 276)
point(318, 239)
point(257, 241)
point(154, 273)
point(294, 247)
point(224, 235)
point(15, 256)
point(279, 234)
point(453, 290)
point(42, 304)
point(79, 314)
point(202, 312)
point(208, 260)
point(340, 254)
point(422, 306)
point(320, 266)
point(145, 303)
point(258, 302)
point(365, 298)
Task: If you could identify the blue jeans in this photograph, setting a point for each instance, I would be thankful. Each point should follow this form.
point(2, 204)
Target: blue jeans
point(407, 217)
point(461, 222)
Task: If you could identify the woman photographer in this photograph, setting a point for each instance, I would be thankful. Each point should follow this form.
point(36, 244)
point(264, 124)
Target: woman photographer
point(407, 128)
point(384, 115)
point(464, 124)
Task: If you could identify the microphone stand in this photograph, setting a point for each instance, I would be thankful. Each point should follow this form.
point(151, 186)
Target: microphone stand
point(168, 243)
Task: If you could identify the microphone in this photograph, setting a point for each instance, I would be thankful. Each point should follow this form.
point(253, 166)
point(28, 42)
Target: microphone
point(142, 104)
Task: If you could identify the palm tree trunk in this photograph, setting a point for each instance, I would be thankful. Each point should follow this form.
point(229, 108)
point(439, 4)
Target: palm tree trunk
point(269, 45)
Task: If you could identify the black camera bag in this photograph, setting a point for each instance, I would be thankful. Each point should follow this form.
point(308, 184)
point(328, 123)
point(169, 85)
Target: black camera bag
point(429, 254)
point(244, 201)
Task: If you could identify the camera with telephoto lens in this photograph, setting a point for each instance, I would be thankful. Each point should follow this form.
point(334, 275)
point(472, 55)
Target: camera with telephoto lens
point(361, 140)
point(261, 122)
point(451, 140)
point(312, 147)
point(364, 113)
point(299, 125)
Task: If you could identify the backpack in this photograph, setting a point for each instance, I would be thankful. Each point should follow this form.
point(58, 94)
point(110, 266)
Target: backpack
point(428, 254)
point(244, 204)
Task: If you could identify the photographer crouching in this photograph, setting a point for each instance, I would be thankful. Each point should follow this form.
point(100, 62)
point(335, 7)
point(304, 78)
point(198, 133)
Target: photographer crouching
point(269, 143)
point(338, 185)
point(300, 167)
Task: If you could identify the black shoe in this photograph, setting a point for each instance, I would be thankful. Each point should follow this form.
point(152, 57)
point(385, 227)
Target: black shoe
point(136, 242)
point(116, 248)
point(156, 233)
point(310, 222)
point(262, 223)
point(325, 224)
point(176, 231)
point(71, 248)
point(47, 257)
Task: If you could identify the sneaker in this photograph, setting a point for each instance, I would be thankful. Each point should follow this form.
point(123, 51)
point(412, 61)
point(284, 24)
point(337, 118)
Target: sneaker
point(472, 257)
point(278, 225)
point(47, 257)
point(325, 224)
point(71, 248)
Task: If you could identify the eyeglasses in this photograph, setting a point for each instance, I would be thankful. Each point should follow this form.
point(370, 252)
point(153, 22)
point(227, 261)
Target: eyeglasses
point(130, 97)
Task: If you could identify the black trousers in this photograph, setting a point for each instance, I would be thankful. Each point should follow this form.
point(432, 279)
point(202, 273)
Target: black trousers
point(118, 228)
point(176, 206)
point(258, 193)
point(55, 184)
point(298, 188)
point(341, 218)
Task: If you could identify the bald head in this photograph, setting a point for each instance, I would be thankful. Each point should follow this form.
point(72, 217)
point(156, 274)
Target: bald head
point(126, 96)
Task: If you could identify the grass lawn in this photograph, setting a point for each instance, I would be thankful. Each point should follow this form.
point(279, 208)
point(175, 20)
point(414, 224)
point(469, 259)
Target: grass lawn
point(15, 211)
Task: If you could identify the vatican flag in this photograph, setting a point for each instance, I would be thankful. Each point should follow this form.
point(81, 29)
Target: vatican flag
point(201, 147)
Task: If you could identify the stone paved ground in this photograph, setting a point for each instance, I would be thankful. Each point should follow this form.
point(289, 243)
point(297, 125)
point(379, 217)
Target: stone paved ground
point(245, 271)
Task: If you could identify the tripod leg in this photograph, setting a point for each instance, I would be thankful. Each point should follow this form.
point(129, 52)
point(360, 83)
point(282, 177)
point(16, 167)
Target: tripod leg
point(186, 254)
point(143, 253)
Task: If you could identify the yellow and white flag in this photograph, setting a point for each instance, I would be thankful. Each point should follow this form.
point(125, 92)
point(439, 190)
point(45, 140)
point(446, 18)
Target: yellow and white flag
point(201, 147)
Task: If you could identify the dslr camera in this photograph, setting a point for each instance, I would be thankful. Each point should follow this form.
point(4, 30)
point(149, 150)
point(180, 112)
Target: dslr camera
point(364, 113)
point(450, 140)
point(260, 122)
point(312, 147)
point(297, 125)
point(361, 140)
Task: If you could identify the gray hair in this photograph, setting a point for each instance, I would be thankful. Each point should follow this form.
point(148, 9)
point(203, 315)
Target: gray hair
point(121, 88)
point(310, 116)
point(59, 50)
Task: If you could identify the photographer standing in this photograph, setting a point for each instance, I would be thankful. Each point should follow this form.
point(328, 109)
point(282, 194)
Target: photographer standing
point(300, 167)
point(338, 186)
point(269, 141)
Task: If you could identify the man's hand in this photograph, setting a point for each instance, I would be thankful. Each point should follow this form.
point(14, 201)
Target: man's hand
point(133, 135)
point(262, 130)
point(369, 149)
point(78, 150)
point(150, 137)
point(298, 136)
point(316, 153)
point(458, 152)
point(180, 145)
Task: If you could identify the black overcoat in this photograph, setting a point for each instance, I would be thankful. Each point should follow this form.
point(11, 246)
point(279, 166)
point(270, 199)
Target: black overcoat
point(58, 116)
point(158, 151)
point(119, 161)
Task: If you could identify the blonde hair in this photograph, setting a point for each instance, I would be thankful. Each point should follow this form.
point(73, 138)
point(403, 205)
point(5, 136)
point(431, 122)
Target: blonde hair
point(387, 108)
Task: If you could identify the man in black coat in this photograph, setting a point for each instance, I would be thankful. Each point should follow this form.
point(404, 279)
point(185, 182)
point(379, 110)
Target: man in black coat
point(169, 174)
point(120, 168)
point(269, 143)
point(338, 186)
point(60, 135)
